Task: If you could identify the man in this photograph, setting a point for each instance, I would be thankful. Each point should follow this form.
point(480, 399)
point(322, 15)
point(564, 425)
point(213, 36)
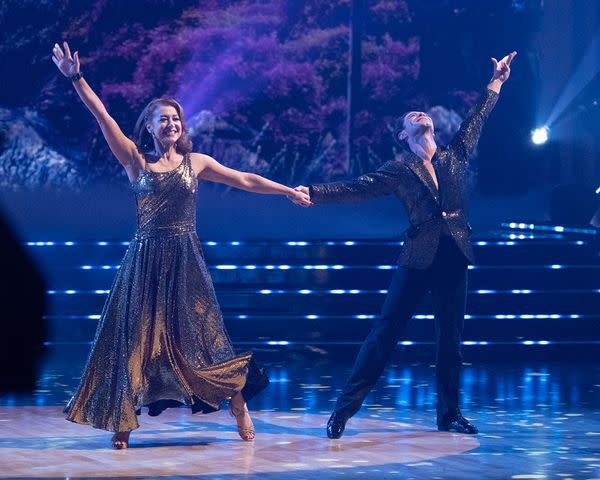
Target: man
point(431, 183)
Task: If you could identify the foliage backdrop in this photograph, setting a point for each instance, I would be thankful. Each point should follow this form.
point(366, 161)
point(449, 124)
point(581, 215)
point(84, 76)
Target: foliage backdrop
point(263, 83)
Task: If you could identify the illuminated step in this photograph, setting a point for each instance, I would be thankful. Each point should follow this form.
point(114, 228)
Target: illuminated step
point(359, 267)
point(341, 291)
point(532, 227)
point(320, 327)
point(467, 343)
point(364, 316)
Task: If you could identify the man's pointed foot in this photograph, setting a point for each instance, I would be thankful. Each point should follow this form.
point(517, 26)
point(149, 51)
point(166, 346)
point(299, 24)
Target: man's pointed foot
point(459, 424)
point(336, 426)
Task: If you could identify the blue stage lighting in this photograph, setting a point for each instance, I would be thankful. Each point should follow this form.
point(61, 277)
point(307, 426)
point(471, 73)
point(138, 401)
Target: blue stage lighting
point(539, 136)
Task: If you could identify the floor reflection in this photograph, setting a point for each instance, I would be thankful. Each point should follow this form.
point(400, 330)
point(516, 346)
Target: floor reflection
point(539, 419)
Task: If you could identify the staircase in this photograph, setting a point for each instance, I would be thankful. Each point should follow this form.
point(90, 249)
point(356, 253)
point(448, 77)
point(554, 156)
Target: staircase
point(531, 288)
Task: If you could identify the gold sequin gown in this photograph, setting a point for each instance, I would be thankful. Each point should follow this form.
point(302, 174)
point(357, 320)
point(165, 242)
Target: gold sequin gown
point(161, 341)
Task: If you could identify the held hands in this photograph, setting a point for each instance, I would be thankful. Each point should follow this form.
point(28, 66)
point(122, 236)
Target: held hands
point(301, 196)
point(502, 67)
point(67, 64)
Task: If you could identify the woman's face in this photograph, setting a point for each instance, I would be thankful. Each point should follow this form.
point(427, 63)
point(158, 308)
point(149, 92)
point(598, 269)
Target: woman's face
point(165, 125)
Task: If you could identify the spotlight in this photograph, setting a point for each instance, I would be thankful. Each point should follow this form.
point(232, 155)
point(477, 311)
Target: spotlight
point(539, 136)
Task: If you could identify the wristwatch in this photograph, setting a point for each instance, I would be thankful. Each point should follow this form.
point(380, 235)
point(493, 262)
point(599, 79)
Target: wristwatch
point(78, 76)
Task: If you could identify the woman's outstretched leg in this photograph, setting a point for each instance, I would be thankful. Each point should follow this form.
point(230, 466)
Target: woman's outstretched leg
point(120, 440)
point(239, 410)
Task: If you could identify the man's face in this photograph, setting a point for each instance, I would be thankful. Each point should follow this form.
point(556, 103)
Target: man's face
point(417, 123)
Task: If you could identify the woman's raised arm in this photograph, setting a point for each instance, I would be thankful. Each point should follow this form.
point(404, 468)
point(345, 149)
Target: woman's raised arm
point(121, 146)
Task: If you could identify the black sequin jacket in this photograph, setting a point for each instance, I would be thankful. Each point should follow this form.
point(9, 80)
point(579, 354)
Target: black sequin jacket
point(430, 211)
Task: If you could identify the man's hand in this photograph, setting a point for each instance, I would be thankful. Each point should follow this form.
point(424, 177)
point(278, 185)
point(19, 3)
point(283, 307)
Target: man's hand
point(301, 196)
point(502, 67)
point(501, 72)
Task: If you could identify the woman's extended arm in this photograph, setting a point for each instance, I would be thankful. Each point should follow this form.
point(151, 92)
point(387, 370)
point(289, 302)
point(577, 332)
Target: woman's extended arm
point(213, 171)
point(121, 146)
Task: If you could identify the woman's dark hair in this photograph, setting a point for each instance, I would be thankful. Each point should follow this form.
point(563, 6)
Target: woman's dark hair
point(143, 139)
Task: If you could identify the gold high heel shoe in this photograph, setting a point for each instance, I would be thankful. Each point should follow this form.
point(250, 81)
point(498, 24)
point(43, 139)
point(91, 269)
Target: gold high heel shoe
point(246, 434)
point(120, 443)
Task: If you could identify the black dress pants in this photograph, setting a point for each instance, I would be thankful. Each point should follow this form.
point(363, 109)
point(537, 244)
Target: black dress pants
point(446, 278)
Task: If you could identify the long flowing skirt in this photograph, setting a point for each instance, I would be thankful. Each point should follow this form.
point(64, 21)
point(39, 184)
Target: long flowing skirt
point(161, 341)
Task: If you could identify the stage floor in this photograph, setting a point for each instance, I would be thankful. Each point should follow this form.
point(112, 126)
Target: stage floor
point(538, 418)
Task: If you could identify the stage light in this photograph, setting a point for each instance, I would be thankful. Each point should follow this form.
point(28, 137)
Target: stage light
point(539, 136)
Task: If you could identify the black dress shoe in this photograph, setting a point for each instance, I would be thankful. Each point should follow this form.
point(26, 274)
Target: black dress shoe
point(336, 426)
point(458, 423)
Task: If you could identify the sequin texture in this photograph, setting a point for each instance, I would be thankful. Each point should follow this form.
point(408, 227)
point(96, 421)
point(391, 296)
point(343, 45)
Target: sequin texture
point(431, 212)
point(161, 341)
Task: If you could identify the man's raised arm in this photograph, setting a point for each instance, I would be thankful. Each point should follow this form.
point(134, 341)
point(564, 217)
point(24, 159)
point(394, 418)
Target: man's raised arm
point(467, 137)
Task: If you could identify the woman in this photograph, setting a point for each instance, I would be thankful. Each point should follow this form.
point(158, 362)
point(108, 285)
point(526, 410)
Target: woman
point(161, 341)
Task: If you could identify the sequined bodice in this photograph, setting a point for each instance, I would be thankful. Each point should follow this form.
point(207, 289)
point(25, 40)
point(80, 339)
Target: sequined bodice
point(166, 201)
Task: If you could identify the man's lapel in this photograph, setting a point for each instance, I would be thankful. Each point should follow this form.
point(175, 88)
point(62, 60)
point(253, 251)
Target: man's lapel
point(416, 165)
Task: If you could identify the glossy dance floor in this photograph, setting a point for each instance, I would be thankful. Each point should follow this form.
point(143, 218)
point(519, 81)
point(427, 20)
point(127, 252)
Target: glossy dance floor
point(539, 419)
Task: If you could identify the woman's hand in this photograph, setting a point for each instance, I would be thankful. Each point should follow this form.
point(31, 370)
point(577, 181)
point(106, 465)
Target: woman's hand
point(502, 67)
point(300, 197)
point(67, 64)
